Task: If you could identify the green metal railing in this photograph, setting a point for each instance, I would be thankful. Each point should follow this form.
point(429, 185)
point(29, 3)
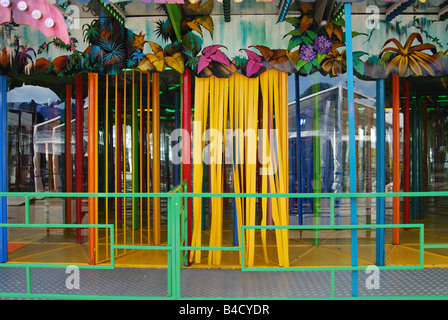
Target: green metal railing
point(178, 249)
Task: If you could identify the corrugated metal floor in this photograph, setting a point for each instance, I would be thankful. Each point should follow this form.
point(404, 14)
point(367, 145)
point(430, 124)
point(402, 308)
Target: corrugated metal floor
point(227, 283)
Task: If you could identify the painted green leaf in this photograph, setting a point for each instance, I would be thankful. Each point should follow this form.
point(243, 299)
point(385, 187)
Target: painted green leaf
point(294, 21)
point(321, 57)
point(301, 64)
point(358, 54)
point(358, 65)
point(294, 42)
point(293, 33)
point(311, 34)
point(307, 40)
point(315, 62)
point(307, 68)
point(339, 23)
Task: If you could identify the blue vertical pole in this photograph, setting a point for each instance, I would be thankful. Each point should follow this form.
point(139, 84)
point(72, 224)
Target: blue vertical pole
point(3, 167)
point(352, 143)
point(298, 148)
point(338, 154)
point(380, 169)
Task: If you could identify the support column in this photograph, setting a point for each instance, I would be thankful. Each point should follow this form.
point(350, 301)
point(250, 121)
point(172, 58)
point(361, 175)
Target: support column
point(79, 154)
point(406, 151)
point(186, 148)
point(415, 152)
point(352, 144)
point(298, 149)
point(396, 155)
point(380, 169)
point(68, 152)
point(316, 162)
point(3, 167)
point(177, 179)
point(92, 164)
point(156, 155)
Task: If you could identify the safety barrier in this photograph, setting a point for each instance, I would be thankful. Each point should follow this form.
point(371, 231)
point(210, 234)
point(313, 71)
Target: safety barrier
point(178, 249)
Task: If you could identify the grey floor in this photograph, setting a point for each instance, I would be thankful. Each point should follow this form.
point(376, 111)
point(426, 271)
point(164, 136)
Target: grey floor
point(204, 283)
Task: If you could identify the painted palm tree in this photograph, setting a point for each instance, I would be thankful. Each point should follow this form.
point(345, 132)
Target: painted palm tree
point(91, 31)
point(409, 58)
point(23, 54)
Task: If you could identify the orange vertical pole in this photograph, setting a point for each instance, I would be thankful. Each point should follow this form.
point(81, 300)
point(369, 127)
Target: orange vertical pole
point(68, 150)
point(91, 164)
point(396, 155)
point(406, 151)
point(156, 154)
point(148, 155)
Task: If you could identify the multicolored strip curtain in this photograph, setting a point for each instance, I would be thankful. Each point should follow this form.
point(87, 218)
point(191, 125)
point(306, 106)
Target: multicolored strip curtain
point(247, 118)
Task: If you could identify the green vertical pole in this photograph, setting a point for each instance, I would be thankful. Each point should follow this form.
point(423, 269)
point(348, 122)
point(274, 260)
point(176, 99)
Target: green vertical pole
point(316, 161)
point(170, 245)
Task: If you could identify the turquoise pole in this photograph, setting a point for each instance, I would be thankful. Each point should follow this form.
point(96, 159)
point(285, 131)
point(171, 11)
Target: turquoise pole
point(380, 169)
point(352, 143)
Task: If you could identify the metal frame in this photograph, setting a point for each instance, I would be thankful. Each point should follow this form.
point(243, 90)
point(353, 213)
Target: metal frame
point(178, 251)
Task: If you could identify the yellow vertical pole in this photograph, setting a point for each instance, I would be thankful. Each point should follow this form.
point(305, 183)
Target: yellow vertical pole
point(285, 148)
point(156, 155)
point(264, 152)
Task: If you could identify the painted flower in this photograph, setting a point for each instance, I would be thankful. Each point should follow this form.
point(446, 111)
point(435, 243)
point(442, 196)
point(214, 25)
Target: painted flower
point(138, 55)
point(323, 45)
point(139, 41)
point(307, 53)
point(412, 58)
point(335, 63)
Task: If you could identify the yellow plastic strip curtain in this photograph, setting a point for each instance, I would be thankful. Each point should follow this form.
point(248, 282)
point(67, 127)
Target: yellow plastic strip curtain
point(234, 103)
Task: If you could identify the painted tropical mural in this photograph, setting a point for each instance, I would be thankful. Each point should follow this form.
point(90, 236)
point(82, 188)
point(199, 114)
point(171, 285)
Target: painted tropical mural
point(406, 46)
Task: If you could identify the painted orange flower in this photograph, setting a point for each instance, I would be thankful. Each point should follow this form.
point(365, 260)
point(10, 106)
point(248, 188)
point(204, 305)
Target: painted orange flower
point(335, 63)
point(139, 41)
point(411, 58)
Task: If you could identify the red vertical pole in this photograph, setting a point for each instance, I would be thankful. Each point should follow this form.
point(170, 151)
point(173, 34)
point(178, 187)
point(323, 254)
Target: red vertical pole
point(186, 146)
point(79, 124)
point(68, 150)
point(396, 155)
point(91, 164)
point(406, 151)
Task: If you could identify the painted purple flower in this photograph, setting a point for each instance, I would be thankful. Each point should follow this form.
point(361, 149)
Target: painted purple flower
point(323, 45)
point(307, 53)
